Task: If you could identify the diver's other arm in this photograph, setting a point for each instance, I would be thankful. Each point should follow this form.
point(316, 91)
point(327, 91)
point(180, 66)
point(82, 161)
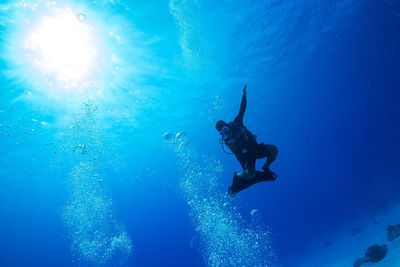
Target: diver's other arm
point(243, 104)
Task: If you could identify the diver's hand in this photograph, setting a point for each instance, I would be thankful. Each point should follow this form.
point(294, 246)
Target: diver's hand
point(244, 90)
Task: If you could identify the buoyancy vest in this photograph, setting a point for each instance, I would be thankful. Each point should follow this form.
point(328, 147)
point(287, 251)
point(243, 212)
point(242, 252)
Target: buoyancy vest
point(241, 140)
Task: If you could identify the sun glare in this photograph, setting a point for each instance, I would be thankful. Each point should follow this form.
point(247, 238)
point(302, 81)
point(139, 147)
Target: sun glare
point(62, 46)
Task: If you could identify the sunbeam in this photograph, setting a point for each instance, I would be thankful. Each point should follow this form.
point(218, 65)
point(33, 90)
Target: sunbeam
point(60, 50)
point(62, 46)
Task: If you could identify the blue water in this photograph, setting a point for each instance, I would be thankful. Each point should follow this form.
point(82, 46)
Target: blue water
point(87, 179)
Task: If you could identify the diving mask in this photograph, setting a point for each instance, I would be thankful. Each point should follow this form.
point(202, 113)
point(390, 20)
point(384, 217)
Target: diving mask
point(225, 130)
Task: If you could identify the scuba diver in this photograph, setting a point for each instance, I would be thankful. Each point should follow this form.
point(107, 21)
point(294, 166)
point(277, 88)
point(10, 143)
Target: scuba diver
point(244, 146)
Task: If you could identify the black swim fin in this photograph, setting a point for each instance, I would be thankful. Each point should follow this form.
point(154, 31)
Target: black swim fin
point(239, 184)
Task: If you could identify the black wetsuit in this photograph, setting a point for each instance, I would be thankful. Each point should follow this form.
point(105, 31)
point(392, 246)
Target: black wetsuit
point(244, 146)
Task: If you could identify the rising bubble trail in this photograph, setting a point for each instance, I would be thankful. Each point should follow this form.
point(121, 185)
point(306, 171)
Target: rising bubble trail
point(226, 238)
point(95, 235)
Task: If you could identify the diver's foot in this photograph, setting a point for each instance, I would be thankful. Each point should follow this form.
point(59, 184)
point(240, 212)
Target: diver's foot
point(268, 172)
point(274, 175)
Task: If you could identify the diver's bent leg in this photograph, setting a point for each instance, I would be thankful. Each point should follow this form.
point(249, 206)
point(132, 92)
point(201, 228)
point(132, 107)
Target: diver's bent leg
point(271, 152)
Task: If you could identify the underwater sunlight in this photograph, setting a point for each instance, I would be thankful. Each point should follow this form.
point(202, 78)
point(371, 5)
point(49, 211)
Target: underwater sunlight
point(62, 46)
point(53, 47)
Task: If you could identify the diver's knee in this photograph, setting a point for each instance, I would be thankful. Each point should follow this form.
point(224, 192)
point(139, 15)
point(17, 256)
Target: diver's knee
point(272, 151)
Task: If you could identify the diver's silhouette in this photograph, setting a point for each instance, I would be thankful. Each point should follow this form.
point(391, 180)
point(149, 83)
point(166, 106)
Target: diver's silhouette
point(244, 146)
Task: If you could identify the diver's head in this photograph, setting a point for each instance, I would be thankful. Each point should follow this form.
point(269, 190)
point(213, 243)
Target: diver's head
point(223, 129)
point(220, 125)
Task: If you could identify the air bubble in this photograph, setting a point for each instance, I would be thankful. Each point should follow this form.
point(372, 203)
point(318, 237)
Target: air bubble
point(167, 135)
point(253, 212)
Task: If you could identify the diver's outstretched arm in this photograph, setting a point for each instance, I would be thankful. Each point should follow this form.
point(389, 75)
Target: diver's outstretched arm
point(243, 104)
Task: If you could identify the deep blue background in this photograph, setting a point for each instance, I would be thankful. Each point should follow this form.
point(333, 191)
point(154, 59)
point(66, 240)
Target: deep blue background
point(323, 85)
